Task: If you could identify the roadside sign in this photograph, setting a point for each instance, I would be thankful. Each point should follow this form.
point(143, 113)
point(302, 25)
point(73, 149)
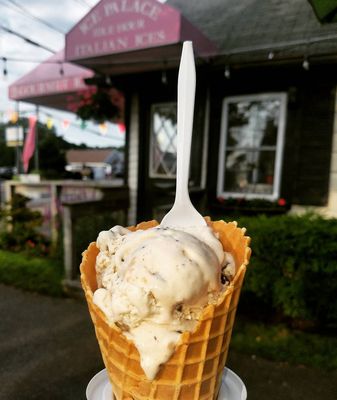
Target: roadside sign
point(14, 136)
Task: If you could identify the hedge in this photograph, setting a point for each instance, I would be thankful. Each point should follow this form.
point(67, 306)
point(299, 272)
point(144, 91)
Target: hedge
point(293, 269)
point(41, 275)
point(280, 343)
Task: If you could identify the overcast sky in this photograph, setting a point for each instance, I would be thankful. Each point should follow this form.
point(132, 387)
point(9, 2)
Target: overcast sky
point(63, 15)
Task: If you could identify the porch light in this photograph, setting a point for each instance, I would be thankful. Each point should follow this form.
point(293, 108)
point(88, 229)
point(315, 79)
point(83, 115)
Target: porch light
point(108, 81)
point(164, 78)
point(306, 64)
point(227, 72)
point(61, 69)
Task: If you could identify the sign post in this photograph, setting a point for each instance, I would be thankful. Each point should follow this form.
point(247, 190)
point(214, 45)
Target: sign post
point(14, 136)
point(36, 154)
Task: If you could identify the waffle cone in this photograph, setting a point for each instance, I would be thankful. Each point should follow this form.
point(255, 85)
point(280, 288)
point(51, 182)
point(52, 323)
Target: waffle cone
point(195, 368)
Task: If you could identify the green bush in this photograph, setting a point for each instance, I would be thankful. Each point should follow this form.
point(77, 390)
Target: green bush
point(279, 343)
point(42, 275)
point(293, 269)
point(23, 250)
point(23, 234)
point(87, 229)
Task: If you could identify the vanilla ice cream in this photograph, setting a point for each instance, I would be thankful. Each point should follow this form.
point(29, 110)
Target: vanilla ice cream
point(154, 283)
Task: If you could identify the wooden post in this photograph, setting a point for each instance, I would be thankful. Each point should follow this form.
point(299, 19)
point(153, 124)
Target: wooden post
point(114, 199)
point(68, 248)
point(9, 194)
point(36, 152)
point(54, 214)
point(17, 150)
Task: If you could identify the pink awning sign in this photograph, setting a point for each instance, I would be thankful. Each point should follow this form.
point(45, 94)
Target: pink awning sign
point(52, 77)
point(120, 26)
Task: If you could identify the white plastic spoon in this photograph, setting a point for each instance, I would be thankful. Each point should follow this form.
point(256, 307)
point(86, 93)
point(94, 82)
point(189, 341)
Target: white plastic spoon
point(183, 213)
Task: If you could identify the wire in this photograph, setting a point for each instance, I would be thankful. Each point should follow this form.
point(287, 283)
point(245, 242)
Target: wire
point(87, 130)
point(24, 11)
point(93, 132)
point(87, 3)
point(28, 60)
point(30, 41)
point(84, 3)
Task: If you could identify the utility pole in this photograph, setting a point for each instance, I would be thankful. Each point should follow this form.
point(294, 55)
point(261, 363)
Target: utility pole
point(18, 152)
point(36, 153)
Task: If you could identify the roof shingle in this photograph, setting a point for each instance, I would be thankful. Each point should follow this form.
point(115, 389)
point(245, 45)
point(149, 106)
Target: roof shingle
point(289, 27)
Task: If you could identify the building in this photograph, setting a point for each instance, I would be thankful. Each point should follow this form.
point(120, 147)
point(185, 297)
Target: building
point(265, 109)
point(97, 164)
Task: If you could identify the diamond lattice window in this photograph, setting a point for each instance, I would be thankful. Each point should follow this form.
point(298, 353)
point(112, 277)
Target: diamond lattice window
point(163, 143)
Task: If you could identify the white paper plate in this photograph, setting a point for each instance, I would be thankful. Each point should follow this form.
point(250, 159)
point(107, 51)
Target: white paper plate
point(232, 387)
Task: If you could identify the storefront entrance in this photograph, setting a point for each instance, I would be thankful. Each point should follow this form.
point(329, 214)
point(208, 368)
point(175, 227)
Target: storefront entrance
point(157, 149)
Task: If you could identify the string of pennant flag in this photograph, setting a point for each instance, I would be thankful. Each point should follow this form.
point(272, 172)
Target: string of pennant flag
point(49, 121)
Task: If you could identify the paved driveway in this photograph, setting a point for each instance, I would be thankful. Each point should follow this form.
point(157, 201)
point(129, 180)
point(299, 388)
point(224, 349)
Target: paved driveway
point(47, 347)
point(48, 351)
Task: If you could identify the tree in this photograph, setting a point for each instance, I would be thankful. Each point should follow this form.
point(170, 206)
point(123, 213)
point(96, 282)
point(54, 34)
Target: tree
point(7, 154)
point(52, 150)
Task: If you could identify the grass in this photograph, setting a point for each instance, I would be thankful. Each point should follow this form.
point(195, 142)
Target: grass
point(274, 342)
point(279, 343)
point(42, 275)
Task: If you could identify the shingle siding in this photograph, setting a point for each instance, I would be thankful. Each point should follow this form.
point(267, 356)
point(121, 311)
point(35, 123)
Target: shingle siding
point(233, 25)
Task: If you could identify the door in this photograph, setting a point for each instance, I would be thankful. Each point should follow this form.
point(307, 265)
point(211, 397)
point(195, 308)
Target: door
point(158, 150)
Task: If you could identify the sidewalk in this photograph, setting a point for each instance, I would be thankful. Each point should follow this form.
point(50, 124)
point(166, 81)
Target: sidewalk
point(48, 351)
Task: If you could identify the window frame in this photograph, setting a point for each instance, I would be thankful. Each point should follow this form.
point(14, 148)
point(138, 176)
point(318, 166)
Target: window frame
point(282, 96)
point(153, 174)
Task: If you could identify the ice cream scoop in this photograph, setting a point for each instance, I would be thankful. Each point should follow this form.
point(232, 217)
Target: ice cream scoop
point(154, 284)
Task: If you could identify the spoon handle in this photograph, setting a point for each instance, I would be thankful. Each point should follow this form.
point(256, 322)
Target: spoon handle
point(186, 94)
point(183, 213)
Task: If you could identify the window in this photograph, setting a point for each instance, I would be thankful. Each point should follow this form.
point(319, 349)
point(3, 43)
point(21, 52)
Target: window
point(251, 146)
point(163, 142)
